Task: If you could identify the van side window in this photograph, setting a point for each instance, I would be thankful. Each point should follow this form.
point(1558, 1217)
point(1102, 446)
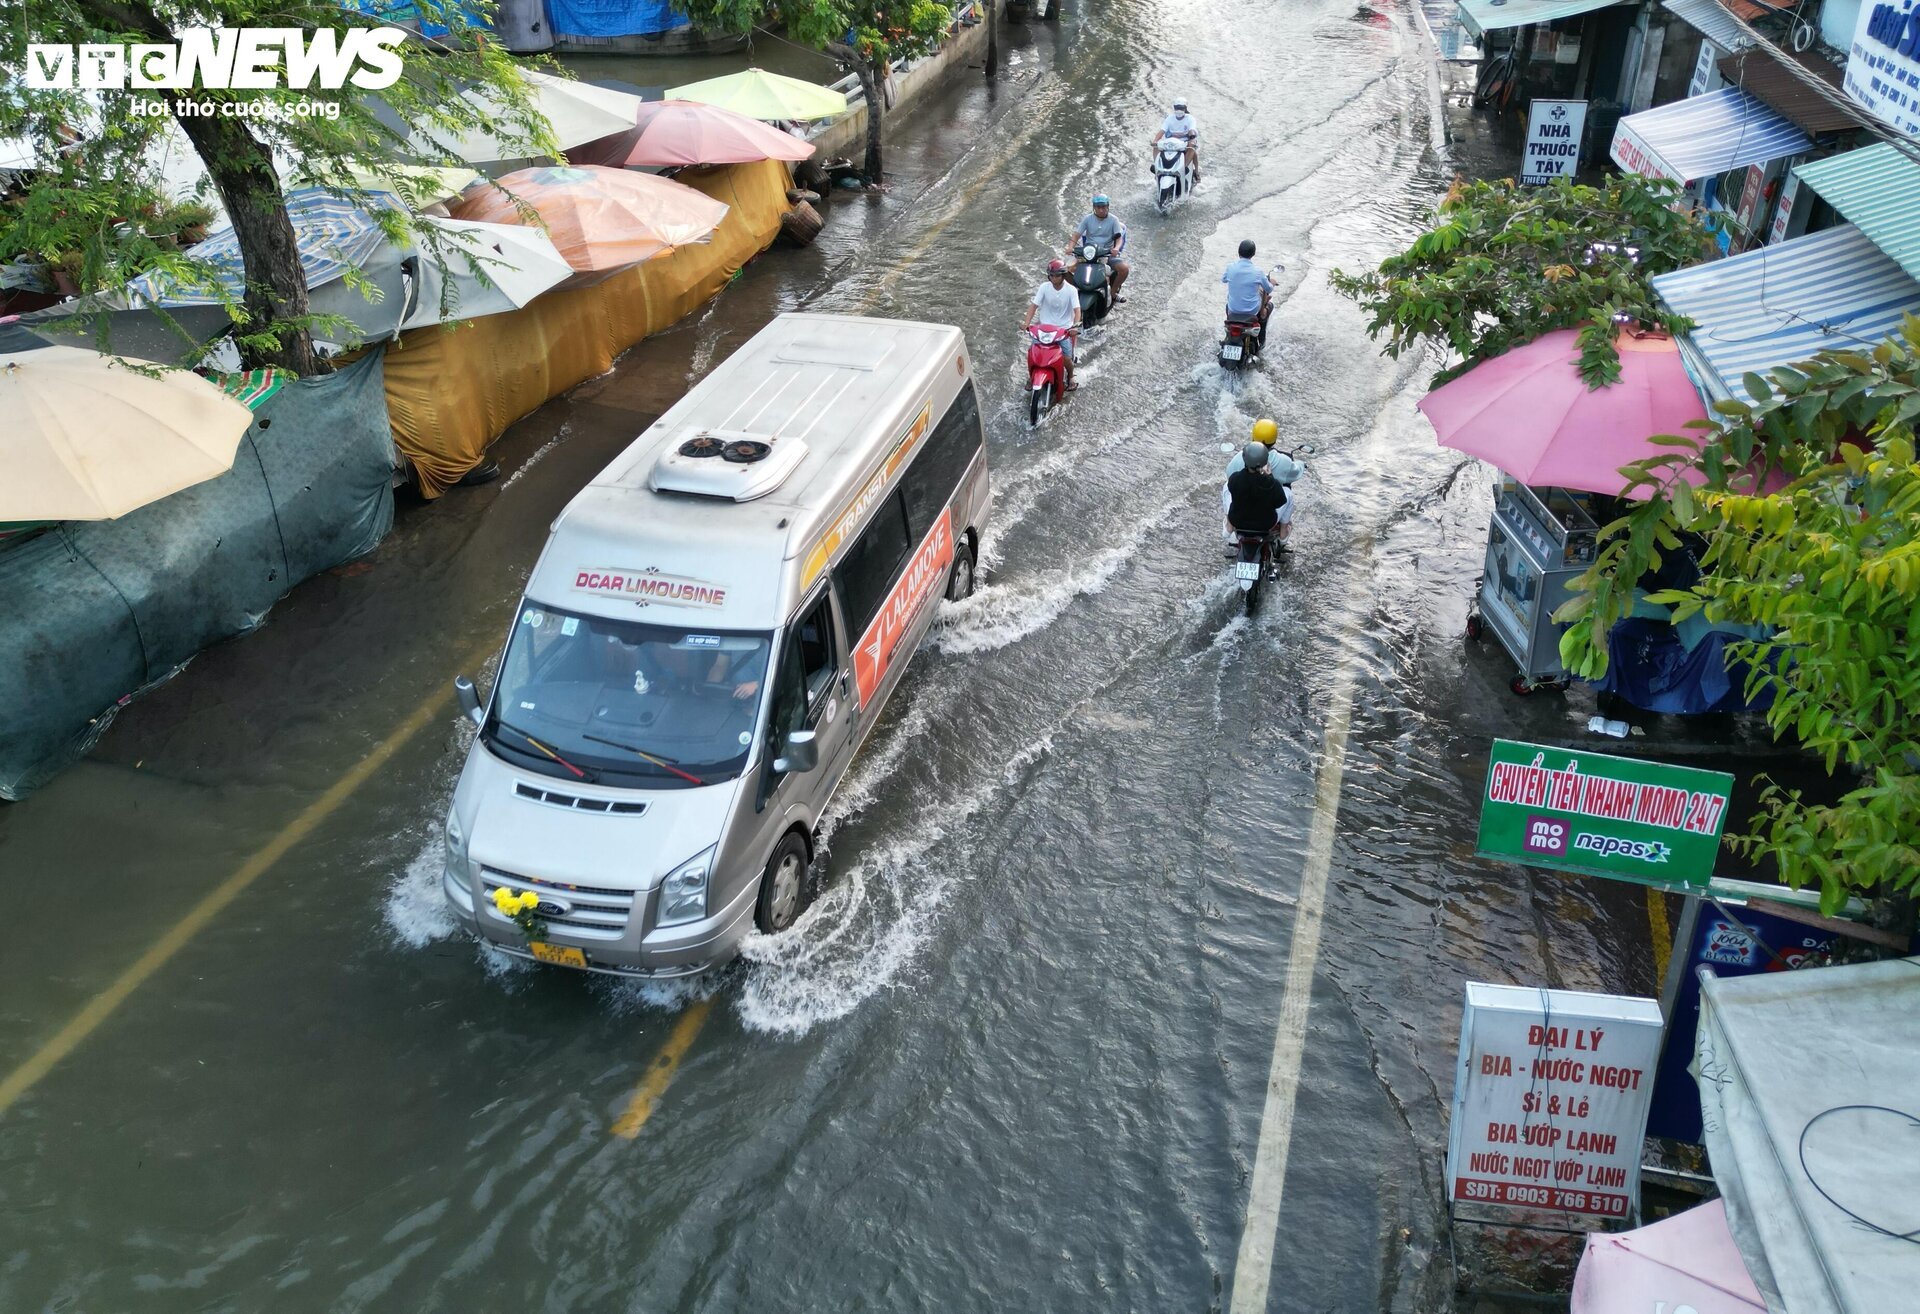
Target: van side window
point(789, 712)
point(937, 470)
point(873, 563)
point(813, 636)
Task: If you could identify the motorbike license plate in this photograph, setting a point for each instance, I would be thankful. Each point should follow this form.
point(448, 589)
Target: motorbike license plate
point(1246, 570)
point(1230, 353)
point(560, 955)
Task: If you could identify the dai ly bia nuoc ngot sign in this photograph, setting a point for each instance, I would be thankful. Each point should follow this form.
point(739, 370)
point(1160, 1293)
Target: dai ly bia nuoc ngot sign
point(1550, 1099)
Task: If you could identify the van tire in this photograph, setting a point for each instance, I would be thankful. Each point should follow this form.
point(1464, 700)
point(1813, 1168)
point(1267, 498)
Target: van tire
point(960, 582)
point(785, 889)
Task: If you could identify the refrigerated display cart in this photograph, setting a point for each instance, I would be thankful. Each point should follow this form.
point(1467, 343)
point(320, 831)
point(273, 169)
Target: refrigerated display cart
point(1540, 539)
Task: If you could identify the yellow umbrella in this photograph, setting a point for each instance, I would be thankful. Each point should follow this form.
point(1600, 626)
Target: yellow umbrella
point(87, 438)
point(425, 182)
point(759, 94)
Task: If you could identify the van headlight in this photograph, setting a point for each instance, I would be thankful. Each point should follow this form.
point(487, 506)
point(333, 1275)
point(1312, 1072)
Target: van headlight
point(683, 894)
point(456, 846)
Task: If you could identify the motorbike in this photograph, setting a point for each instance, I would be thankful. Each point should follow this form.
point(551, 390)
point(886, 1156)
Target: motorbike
point(1256, 556)
point(1172, 175)
point(1046, 368)
point(1241, 343)
point(1093, 279)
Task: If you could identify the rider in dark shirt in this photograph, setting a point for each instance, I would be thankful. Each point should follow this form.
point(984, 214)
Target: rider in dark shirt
point(1256, 496)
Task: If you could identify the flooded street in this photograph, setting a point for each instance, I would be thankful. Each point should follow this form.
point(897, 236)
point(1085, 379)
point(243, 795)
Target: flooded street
point(1116, 855)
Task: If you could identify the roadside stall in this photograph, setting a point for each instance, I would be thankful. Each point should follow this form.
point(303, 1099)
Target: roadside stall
point(1559, 445)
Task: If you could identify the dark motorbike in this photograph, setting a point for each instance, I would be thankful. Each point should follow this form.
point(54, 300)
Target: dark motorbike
point(1242, 342)
point(1093, 279)
point(1256, 556)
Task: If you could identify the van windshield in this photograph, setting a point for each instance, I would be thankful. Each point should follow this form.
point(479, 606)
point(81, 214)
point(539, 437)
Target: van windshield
point(583, 697)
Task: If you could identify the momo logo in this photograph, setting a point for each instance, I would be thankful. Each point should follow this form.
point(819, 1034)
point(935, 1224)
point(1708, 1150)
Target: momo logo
point(227, 59)
point(1607, 846)
point(1546, 835)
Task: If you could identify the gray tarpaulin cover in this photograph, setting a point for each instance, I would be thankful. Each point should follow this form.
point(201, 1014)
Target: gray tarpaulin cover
point(91, 612)
point(1810, 1094)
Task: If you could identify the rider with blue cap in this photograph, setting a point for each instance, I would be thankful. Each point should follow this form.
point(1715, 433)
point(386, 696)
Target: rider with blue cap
point(1102, 231)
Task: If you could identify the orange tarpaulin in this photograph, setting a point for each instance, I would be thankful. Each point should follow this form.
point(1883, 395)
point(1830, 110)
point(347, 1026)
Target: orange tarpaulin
point(451, 392)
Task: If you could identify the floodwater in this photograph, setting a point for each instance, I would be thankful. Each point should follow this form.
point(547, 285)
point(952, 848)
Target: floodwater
point(1017, 1056)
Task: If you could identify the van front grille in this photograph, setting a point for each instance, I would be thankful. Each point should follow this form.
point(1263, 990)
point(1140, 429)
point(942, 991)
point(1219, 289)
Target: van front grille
point(581, 909)
point(555, 798)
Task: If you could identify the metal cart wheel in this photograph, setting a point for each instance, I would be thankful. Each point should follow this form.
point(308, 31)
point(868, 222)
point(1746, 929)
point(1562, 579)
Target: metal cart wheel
point(1476, 628)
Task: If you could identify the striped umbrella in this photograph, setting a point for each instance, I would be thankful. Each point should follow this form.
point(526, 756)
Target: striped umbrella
point(252, 388)
point(334, 236)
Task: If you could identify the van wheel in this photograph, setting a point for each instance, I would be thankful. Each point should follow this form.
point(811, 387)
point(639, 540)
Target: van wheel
point(783, 889)
point(960, 583)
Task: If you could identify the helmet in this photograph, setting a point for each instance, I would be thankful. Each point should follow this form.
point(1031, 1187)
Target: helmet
point(1056, 267)
point(1181, 103)
point(1101, 199)
point(1254, 456)
point(1247, 249)
point(1266, 431)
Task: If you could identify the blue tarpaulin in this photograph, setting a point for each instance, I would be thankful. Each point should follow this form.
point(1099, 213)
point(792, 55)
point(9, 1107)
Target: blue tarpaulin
point(610, 18)
point(1652, 665)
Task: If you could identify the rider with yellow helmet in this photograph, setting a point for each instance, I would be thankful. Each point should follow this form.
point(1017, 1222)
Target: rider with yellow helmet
point(1278, 465)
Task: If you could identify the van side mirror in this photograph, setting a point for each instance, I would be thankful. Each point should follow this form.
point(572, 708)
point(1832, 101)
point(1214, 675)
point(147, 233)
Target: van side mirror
point(469, 699)
point(803, 753)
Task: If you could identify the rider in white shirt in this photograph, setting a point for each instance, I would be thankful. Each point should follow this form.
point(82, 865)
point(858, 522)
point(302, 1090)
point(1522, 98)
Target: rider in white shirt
point(1056, 304)
point(1180, 126)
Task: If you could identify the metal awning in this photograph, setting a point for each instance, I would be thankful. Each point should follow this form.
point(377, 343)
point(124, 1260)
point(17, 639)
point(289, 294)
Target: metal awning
point(1830, 291)
point(1703, 136)
point(1711, 19)
point(1480, 17)
point(1877, 190)
point(1770, 74)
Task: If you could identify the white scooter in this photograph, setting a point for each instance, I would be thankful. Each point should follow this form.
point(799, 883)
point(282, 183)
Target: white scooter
point(1172, 174)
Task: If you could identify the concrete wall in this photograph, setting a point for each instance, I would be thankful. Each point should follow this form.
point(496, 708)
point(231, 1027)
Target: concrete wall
point(847, 135)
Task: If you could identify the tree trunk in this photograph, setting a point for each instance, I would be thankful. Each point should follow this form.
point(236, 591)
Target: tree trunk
point(242, 170)
point(869, 71)
point(992, 8)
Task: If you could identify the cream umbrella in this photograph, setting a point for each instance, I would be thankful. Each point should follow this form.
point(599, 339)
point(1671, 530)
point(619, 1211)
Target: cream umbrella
point(87, 438)
point(576, 111)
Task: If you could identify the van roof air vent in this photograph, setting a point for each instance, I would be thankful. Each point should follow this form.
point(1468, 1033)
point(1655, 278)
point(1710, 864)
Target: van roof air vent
point(751, 465)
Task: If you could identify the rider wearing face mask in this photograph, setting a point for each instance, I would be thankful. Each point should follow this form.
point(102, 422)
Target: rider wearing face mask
point(1181, 127)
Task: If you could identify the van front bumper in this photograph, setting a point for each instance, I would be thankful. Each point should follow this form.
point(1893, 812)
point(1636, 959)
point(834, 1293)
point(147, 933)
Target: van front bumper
point(659, 954)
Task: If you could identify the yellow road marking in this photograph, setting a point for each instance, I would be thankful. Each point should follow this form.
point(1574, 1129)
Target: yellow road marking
point(1662, 935)
point(660, 1072)
point(103, 1005)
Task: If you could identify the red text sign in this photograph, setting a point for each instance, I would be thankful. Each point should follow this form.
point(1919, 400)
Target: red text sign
point(925, 573)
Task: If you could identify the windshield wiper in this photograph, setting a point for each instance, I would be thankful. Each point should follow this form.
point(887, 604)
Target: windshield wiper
point(666, 762)
point(580, 772)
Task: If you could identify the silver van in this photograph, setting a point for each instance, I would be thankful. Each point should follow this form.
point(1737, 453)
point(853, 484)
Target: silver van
point(711, 631)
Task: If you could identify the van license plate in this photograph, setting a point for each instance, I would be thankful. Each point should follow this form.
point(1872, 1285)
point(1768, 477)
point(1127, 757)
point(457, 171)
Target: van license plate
point(1241, 570)
point(1230, 353)
point(561, 955)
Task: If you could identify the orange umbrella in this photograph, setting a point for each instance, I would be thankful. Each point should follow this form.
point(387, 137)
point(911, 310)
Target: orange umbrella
point(685, 132)
point(599, 219)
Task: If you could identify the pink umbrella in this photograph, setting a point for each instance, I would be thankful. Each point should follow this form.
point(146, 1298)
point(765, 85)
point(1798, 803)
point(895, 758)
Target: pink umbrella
point(683, 132)
point(1531, 414)
point(599, 219)
point(1689, 1259)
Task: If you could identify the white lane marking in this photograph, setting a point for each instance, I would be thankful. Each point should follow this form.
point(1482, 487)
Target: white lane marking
point(1254, 1268)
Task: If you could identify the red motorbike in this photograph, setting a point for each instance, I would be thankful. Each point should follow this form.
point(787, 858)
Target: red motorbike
point(1046, 368)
